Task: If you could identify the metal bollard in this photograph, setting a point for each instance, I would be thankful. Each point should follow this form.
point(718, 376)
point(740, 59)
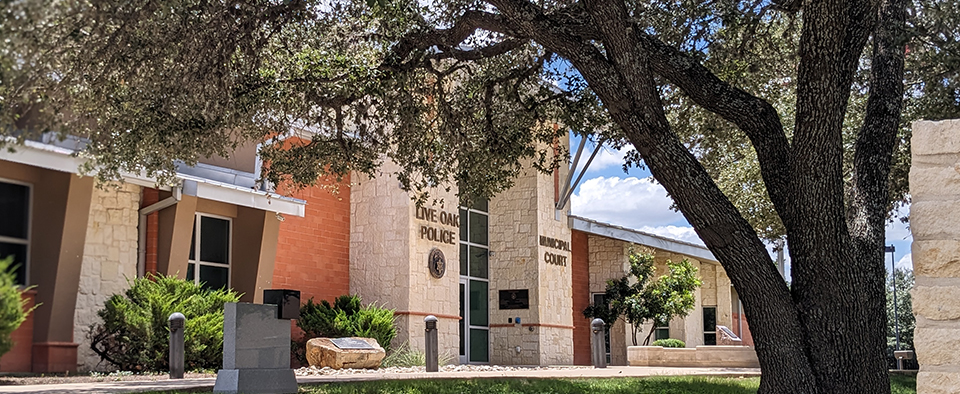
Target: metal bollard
point(176, 321)
point(431, 343)
point(598, 349)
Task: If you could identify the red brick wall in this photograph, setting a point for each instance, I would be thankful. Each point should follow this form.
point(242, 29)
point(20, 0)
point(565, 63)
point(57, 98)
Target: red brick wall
point(150, 197)
point(745, 335)
point(580, 267)
point(313, 252)
point(20, 357)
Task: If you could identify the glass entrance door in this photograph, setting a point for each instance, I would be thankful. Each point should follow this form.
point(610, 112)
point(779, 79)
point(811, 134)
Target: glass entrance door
point(474, 285)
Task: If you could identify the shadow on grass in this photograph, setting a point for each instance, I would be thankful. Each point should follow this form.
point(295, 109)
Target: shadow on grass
point(673, 385)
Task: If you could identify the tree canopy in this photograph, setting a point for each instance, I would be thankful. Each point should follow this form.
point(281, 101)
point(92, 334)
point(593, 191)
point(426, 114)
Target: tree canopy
point(761, 119)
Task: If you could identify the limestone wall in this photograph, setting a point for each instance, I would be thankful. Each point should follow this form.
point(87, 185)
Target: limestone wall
point(388, 258)
point(935, 224)
point(109, 261)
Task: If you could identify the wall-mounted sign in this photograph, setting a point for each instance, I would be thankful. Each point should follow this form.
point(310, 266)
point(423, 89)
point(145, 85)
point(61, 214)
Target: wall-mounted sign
point(437, 263)
point(515, 299)
point(553, 243)
point(435, 234)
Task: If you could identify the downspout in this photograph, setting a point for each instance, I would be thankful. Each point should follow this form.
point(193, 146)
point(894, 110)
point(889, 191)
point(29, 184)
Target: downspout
point(142, 226)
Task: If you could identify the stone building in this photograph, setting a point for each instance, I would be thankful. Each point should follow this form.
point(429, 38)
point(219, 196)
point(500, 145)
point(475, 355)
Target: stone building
point(508, 278)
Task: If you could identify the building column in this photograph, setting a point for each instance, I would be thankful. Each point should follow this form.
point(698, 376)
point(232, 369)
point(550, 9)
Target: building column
point(175, 235)
point(254, 252)
point(61, 212)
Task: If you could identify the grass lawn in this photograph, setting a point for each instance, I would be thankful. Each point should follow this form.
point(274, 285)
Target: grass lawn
point(658, 385)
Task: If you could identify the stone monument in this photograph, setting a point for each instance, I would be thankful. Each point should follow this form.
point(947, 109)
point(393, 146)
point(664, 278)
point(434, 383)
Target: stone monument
point(935, 224)
point(256, 351)
point(339, 353)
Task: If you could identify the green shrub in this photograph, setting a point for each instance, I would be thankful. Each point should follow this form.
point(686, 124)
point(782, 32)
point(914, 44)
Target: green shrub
point(345, 318)
point(669, 342)
point(134, 333)
point(13, 308)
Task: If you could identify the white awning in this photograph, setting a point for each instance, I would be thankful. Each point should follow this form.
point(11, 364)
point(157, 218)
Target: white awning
point(642, 238)
point(56, 158)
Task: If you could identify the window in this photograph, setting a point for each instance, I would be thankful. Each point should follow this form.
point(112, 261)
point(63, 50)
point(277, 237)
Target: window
point(474, 284)
point(662, 332)
point(598, 299)
point(15, 226)
point(709, 325)
point(211, 243)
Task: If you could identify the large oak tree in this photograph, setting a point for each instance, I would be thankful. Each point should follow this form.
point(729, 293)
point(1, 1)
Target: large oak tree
point(465, 91)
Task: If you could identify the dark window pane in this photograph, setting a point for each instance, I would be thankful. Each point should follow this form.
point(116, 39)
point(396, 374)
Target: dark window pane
point(480, 204)
point(478, 228)
point(478, 304)
point(214, 277)
point(191, 271)
point(193, 240)
point(598, 299)
point(14, 208)
point(463, 227)
point(709, 319)
point(479, 345)
point(19, 254)
point(710, 339)
point(463, 259)
point(478, 262)
point(663, 333)
point(214, 240)
point(463, 349)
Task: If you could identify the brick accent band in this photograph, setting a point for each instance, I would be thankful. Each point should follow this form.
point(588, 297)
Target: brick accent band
point(415, 313)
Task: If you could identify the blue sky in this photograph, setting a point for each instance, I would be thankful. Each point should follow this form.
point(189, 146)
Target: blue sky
point(634, 200)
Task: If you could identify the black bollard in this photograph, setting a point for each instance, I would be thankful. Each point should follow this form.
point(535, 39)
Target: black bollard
point(431, 343)
point(598, 349)
point(176, 321)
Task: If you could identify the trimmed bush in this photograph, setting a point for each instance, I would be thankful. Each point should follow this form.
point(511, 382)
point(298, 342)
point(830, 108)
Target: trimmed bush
point(345, 318)
point(134, 332)
point(669, 342)
point(13, 308)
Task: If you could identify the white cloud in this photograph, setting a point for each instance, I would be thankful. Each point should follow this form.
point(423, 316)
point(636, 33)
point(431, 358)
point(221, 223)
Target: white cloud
point(897, 230)
point(681, 233)
point(628, 202)
point(906, 262)
point(606, 158)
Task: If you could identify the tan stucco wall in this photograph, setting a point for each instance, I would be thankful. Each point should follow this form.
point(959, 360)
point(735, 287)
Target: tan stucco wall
point(609, 260)
point(935, 224)
point(109, 262)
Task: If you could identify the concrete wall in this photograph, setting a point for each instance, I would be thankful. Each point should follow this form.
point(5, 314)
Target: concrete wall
point(109, 262)
point(700, 356)
point(935, 224)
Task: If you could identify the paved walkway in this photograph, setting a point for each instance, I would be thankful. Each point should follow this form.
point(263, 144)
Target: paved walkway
point(207, 383)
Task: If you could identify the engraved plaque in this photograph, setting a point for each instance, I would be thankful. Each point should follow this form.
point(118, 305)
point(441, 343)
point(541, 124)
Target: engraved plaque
point(515, 299)
point(351, 343)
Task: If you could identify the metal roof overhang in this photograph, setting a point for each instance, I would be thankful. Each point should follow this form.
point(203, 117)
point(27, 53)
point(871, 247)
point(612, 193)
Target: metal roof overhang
point(55, 158)
point(638, 237)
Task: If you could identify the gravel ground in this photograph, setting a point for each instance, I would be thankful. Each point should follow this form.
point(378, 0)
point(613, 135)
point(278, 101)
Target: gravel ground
point(29, 379)
point(314, 371)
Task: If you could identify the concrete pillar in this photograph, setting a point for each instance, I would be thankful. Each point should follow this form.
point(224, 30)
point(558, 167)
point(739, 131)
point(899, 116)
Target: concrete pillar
point(176, 232)
point(60, 214)
point(254, 252)
point(935, 224)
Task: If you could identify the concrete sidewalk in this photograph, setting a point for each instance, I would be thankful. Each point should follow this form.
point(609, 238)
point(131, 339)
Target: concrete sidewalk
point(206, 384)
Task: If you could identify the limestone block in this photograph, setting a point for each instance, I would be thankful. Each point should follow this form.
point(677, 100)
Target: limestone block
point(934, 220)
point(935, 181)
point(934, 345)
point(938, 259)
point(937, 302)
point(938, 382)
point(931, 138)
point(321, 352)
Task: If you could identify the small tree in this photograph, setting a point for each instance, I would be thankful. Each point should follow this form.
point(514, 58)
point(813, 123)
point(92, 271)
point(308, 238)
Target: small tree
point(13, 308)
point(645, 299)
